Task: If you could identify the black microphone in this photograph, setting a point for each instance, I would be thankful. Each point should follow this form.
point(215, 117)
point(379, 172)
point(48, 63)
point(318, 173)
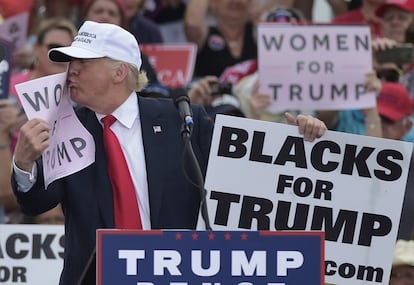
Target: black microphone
point(182, 103)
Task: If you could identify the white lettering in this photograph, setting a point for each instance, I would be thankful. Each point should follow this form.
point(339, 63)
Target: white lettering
point(167, 259)
point(240, 263)
point(288, 260)
point(131, 257)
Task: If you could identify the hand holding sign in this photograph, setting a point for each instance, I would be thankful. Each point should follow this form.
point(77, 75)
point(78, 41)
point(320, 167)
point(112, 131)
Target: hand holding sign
point(53, 130)
point(309, 127)
point(33, 141)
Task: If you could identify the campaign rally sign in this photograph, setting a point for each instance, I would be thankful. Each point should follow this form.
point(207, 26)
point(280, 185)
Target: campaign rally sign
point(5, 67)
point(314, 67)
point(209, 258)
point(71, 146)
point(14, 30)
point(31, 254)
point(174, 63)
point(263, 176)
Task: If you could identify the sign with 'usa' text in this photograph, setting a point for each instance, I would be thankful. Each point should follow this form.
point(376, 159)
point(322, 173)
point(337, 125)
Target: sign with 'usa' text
point(209, 257)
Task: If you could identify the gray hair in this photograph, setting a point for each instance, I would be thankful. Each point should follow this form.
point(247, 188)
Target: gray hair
point(137, 79)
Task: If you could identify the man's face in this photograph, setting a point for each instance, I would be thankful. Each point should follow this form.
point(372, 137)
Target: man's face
point(396, 23)
point(90, 81)
point(395, 130)
point(104, 11)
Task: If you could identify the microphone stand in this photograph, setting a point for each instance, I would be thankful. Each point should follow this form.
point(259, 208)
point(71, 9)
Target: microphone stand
point(186, 134)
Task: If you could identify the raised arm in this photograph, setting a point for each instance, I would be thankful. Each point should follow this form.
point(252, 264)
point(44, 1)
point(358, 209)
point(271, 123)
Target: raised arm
point(8, 117)
point(195, 26)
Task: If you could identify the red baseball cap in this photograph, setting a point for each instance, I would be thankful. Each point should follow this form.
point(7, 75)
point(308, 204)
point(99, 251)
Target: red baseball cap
point(394, 102)
point(406, 5)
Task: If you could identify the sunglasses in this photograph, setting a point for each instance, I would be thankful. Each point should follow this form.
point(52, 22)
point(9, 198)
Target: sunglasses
point(281, 15)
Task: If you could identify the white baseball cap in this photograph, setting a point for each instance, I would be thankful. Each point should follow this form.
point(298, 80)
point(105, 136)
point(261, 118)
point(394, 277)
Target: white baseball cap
point(97, 40)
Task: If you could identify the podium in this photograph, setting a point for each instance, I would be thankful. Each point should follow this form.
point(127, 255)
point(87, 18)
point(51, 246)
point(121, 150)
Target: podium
point(209, 257)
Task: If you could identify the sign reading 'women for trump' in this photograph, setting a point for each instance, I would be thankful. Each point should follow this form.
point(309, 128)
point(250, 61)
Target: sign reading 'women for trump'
point(314, 67)
point(71, 147)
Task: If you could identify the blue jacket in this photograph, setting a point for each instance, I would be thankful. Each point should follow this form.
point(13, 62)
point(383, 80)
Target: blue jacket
point(86, 196)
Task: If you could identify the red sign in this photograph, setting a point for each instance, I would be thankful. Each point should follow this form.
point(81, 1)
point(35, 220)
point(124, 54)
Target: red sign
point(174, 63)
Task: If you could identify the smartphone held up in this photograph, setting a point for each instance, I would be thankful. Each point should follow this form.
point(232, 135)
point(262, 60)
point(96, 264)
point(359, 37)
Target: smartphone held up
point(400, 55)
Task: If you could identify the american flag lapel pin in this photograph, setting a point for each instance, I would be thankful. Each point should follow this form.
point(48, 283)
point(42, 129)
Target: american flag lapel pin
point(157, 129)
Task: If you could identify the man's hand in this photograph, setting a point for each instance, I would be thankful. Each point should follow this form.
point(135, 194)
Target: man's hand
point(258, 102)
point(200, 91)
point(310, 127)
point(33, 140)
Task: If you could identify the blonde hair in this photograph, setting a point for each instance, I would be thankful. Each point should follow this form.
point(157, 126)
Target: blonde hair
point(56, 23)
point(137, 80)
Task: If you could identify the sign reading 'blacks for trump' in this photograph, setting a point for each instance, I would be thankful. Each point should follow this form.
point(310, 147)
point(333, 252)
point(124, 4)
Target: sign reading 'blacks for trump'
point(264, 176)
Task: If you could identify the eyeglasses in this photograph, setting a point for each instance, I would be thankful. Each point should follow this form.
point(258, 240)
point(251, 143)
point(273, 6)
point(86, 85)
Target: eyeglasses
point(52, 45)
point(400, 16)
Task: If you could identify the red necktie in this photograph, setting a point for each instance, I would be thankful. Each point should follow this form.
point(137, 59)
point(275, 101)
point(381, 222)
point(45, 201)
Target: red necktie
point(125, 199)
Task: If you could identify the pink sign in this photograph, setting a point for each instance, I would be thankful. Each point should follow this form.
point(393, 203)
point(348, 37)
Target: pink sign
point(315, 67)
point(71, 146)
point(174, 63)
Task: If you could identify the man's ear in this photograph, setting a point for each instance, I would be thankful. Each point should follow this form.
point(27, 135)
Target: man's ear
point(120, 73)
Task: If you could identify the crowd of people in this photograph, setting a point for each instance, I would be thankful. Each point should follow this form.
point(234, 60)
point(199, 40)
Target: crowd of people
point(111, 81)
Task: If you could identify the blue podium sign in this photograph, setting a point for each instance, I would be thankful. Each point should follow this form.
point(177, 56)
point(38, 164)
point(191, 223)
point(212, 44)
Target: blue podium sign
point(209, 257)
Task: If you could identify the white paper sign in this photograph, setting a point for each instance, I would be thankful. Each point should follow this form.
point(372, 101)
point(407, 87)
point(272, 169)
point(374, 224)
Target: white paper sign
point(314, 67)
point(31, 254)
point(262, 175)
point(71, 147)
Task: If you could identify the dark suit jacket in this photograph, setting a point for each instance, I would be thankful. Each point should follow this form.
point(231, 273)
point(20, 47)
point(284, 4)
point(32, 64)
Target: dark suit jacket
point(86, 196)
